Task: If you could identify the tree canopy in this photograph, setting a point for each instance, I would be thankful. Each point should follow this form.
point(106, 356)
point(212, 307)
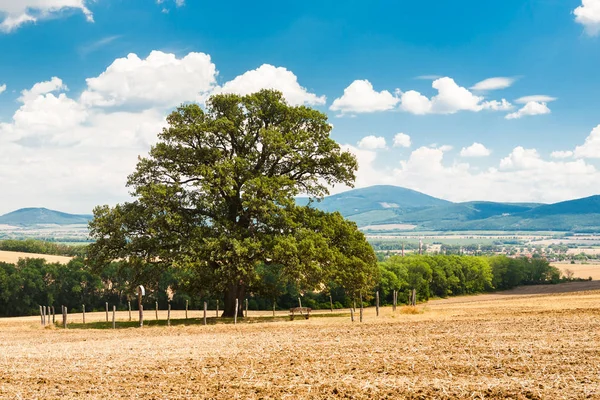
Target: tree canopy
point(215, 198)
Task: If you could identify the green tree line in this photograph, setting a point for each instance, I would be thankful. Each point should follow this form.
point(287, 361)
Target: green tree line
point(42, 247)
point(33, 282)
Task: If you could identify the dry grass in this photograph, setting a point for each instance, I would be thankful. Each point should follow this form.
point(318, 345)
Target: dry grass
point(13, 257)
point(531, 345)
point(581, 270)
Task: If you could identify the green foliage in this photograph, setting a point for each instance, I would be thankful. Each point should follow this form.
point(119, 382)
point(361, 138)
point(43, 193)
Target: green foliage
point(42, 247)
point(215, 200)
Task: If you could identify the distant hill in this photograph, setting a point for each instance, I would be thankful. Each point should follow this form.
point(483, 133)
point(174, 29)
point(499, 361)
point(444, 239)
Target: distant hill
point(391, 205)
point(382, 197)
point(42, 216)
point(384, 208)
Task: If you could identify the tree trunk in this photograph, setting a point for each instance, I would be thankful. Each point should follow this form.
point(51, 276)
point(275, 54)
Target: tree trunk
point(234, 292)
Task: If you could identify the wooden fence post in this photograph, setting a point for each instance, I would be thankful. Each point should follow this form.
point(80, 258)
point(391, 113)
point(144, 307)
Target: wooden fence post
point(394, 301)
point(377, 302)
point(65, 313)
point(414, 297)
point(246, 308)
point(83, 312)
point(41, 316)
point(331, 303)
point(361, 309)
point(129, 309)
point(351, 314)
point(236, 312)
point(205, 309)
point(141, 292)
point(114, 315)
point(273, 308)
point(217, 308)
point(169, 314)
point(156, 311)
point(186, 308)
point(53, 316)
point(106, 305)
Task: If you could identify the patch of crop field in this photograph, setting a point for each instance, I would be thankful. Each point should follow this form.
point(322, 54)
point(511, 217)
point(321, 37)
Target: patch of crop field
point(13, 257)
point(583, 271)
point(531, 345)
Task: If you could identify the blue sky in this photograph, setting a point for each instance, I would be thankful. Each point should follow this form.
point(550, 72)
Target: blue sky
point(88, 83)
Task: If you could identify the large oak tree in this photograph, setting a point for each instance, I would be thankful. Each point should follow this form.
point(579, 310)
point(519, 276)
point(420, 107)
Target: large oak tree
point(216, 198)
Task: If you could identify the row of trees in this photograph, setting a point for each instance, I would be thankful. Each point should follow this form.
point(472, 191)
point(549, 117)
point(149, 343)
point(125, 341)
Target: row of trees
point(42, 247)
point(33, 282)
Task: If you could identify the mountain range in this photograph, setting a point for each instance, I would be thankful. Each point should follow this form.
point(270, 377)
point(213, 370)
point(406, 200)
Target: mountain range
point(381, 208)
point(42, 216)
point(388, 207)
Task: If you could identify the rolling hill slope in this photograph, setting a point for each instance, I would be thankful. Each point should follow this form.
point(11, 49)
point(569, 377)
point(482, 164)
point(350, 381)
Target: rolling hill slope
point(389, 205)
point(42, 216)
point(382, 197)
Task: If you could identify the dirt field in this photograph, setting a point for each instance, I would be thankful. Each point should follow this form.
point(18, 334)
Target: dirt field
point(581, 270)
point(13, 256)
point(527, 343)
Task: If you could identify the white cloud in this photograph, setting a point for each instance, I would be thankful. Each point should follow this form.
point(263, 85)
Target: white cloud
point(53, 85)
point(161, 79)
point(561, 154)
point(451, 98)
point(360, 97)
point(520, 176)
point(495, 105)
point(591, 146)
point(269, 77)
point(75, 152)
point(493, 84)
point(475, 150)
point(14, 13)
point(588, 15)
point(2, 88)
point(540, 98)
point(531, 108)
point(402, 140)
point(372, 142)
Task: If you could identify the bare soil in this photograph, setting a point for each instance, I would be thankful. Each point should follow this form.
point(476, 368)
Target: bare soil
point(528, 344)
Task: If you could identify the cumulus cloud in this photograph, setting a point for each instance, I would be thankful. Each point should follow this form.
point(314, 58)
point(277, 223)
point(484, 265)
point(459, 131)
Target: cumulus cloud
point(591, 146)
point(269, 77)
point(523, 175)
point(451, 98)
point(372, 142)
point(161, 79)
point(2, 88)
point(561, 154)
point(493, 83)
point(75, 151)
point(475, 150)
point(531, 108)
point(15, 13)
point(402, 140)
point(588, 15)
point(360, 97)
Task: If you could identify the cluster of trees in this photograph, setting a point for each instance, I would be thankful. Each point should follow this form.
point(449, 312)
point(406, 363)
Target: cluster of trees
point(451, 275)
point(214, 216)
point(33, 282)
point(42, 247)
